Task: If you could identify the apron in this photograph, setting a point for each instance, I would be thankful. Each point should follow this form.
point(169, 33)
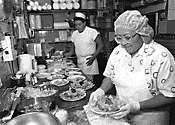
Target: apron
point(134, 86)
point(88, 70)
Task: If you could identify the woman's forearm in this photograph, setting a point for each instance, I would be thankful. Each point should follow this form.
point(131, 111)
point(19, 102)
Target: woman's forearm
point(106, 84)
point(156, 102)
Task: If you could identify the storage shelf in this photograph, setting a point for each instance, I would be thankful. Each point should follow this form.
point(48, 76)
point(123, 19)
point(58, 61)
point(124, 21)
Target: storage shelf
point(59, 11)
point(98, 28)
point(53, 29)
point(59, 42)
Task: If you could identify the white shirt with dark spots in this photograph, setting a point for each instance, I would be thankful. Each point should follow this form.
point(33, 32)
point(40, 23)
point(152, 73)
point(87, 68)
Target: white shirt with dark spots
point(156, 61)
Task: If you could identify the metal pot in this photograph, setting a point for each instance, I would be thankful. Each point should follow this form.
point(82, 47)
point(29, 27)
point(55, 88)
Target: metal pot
point(35, 118)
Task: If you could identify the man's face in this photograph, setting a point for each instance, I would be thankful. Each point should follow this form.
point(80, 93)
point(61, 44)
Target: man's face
point(79, 25)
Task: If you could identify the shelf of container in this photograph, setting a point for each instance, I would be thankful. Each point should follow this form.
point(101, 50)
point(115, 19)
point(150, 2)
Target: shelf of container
point(53, 29)
point(98, 28)
point(59, 11)
point(59, 42)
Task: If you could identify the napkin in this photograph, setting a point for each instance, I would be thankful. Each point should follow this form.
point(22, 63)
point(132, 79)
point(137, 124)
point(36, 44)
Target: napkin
point(96, 119)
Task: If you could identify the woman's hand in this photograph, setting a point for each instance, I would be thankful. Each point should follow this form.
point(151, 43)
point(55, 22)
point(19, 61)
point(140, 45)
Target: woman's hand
point(130, 106)
point(96, 94)
point(90, 61)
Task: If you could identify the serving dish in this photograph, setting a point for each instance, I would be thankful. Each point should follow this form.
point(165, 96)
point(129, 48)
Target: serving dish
point(34, 92)
point(86, 85)
point(76, 78)
point(56, 76)
point(72, 69)
point(34, 118)
point(59, 82)
point(73, 95)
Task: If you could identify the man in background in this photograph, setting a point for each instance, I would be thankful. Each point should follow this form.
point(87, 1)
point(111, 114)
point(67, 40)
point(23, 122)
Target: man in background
point(87, 44)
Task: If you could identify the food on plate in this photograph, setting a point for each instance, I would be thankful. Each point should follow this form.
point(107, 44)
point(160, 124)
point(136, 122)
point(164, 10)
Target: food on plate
point(73, 94)
point(59, 82)
point(76, 78)
point(70, 73)
point(107, 103)
point(72, 69)
point(83, 85)
point(56, 71)
point(32, 92)
point(56, 76)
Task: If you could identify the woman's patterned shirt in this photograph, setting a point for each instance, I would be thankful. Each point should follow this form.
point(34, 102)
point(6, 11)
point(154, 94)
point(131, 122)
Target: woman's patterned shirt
point(156, 61)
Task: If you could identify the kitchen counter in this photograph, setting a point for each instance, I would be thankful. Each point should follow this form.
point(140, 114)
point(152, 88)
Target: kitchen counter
point(70, 106)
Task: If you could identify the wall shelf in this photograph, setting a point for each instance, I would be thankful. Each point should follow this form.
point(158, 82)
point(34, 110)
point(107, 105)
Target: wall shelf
point(37, 30)
point(60, 11)
point(59, 42)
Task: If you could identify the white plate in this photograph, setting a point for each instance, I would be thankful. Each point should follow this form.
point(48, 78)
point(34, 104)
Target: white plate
point(70, 73)
point(43, 75)
point(67, 96)
point(56, 76)
point(72, 69)
point(100, 112)
point(59, 82)
point(76, 78)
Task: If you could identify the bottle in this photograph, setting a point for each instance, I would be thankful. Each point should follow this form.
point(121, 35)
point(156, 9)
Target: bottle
point(35, 67)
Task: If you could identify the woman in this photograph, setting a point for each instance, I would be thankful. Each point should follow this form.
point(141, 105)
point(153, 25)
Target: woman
point(142, 72)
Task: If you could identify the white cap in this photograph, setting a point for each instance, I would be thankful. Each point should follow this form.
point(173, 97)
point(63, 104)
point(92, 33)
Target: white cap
point(80, 15)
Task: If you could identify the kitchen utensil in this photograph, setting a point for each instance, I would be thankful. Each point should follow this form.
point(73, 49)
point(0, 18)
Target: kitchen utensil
point(34, 118)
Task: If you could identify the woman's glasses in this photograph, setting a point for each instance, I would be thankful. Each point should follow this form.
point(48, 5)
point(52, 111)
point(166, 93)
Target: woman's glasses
point(124, 39)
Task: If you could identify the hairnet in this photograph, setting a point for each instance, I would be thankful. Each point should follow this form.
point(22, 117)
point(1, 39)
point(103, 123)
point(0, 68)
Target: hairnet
point(132, 19)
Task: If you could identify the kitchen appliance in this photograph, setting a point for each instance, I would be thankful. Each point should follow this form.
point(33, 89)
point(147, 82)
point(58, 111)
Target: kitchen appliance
point(25, 63)
point(9, 54)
